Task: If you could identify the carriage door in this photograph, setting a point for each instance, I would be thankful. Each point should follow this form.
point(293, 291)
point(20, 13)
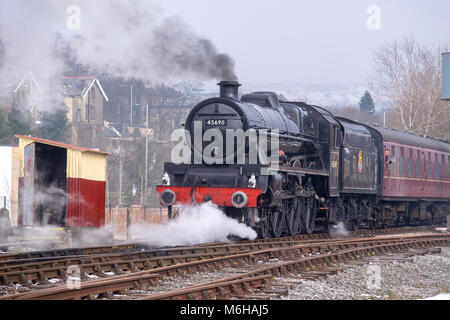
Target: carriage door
point(334, 160)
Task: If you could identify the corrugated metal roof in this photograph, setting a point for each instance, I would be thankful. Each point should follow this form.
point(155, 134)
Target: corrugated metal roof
point(60, 144)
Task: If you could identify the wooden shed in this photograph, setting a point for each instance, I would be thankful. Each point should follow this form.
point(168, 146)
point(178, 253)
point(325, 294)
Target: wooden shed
point(61, 185)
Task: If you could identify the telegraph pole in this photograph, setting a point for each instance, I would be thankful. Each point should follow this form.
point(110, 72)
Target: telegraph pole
point(146, 158)
point(120, 175)
point(131, 100)
point(131, 104)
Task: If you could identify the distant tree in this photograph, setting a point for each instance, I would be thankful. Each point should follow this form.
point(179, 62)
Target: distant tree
point(366, 103)
point(354, 113)
point(407, 76)
point(19, 121)
point(53, 125)
point(5, 133)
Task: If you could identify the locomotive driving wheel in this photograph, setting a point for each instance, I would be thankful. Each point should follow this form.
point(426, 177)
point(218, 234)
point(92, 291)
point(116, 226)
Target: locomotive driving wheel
point(309, 216)
point(266, 230)
point(277, 223)
point(294, 216)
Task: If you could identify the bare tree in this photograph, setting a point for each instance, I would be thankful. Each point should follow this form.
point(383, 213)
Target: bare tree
point(355, 114)
point(407, 77)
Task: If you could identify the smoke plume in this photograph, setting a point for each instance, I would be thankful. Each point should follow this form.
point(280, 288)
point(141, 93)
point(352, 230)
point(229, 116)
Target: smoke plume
point(126, 38)
point(181, 52)
point(196, 224)
point(2, 51)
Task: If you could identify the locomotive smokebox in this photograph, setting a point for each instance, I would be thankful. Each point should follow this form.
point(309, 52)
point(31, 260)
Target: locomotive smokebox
point(229, 89)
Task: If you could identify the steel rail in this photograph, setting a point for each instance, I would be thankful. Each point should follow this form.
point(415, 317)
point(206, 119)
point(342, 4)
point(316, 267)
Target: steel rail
point(299, 264)
point(304, 264)
point(118, 264)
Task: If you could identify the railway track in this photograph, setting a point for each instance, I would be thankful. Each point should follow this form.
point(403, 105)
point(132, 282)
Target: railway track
point(243, 284)
point(298, 257)
point(70, 253)
point(99, 264)
point(58, 253)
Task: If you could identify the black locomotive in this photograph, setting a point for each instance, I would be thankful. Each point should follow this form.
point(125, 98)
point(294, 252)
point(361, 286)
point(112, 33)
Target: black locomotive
point(315, 170)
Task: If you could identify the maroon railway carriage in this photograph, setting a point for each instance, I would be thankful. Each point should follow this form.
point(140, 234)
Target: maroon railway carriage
point(416, 177)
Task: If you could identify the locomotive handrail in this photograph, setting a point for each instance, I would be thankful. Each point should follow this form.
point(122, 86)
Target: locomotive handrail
point(194, 185)
point(287, 136)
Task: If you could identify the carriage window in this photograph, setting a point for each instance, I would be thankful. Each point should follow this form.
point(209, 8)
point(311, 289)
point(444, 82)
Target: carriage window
point(410, 167)
point(402, 166)
point(448, 170)
point(393, 165)
point(436, 170)
point(429, 170)
point(418, 167)
point(443, 167)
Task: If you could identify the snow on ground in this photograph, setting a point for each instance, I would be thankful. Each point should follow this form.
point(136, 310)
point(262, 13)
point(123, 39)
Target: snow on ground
point(442, 296)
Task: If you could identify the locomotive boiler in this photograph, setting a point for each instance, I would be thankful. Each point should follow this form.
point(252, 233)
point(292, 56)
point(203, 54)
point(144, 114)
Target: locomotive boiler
point(286, 167)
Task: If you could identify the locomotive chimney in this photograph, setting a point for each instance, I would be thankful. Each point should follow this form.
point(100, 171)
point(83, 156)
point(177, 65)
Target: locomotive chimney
point(229, 89)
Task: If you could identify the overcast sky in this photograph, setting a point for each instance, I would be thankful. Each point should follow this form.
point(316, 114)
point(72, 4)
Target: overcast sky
point(309, 41)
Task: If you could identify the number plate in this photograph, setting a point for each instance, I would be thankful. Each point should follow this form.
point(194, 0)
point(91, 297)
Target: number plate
point(216, 122)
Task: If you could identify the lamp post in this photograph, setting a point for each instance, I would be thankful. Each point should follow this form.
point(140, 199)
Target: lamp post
point(146, 158)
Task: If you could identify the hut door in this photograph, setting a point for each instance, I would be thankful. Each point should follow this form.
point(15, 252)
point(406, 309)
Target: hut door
point(29, 170)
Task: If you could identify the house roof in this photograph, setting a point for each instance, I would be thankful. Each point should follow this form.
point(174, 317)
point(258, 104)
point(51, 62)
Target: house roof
point(60, 144)
point(111, 131)
point(29, 76)
point(80, 86)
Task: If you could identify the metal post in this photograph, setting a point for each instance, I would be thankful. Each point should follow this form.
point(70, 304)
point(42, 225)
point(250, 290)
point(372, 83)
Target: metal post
point(131, 104)
point(31, 94)
point(146, 159)
point(107, 185)
point(120, 177)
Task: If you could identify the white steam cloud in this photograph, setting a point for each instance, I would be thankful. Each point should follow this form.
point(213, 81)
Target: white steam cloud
point(339, 230)
point(196, 224)
point(119, 38)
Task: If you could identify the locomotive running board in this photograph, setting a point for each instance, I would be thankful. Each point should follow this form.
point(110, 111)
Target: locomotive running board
point(299, 171)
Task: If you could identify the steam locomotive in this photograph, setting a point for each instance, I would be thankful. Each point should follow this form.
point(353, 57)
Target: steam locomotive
point(315, 171)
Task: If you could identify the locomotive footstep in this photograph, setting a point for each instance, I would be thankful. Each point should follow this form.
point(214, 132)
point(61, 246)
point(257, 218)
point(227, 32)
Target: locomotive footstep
point(233, 238)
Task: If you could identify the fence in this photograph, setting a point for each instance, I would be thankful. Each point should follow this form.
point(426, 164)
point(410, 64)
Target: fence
point(121, 218)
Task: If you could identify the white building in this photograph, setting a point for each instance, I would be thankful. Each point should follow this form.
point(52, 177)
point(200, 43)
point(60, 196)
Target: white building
point(5, 176)
point(9, 181)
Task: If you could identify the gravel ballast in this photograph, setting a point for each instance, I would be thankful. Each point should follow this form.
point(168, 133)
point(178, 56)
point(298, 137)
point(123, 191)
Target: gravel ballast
point(382, 278)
